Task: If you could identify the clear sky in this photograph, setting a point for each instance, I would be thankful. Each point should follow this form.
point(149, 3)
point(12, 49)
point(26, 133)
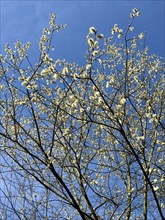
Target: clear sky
point(24, 20)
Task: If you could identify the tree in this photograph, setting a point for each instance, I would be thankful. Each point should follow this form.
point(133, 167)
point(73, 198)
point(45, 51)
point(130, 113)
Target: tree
point(83, 142)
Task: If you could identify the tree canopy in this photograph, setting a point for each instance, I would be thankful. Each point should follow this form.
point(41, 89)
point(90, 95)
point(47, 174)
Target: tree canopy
point(83, 141)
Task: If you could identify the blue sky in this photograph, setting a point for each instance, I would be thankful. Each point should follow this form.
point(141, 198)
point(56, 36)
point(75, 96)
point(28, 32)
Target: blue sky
point(24, 21)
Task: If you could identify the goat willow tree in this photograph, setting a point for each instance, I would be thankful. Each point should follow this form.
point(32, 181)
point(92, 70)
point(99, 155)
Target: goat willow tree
point(83, 142)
